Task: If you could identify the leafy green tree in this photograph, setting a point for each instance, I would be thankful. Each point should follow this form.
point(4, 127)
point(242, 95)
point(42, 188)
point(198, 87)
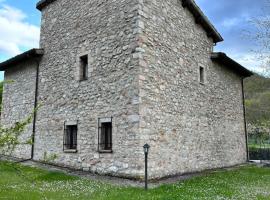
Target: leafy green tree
point(257, 90)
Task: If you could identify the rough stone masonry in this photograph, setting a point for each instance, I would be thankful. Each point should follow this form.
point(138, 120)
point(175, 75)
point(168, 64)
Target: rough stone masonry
point(151, 71)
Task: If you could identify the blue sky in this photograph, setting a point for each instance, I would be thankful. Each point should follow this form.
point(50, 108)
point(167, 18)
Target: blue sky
point(20, 21)
point(232, 18)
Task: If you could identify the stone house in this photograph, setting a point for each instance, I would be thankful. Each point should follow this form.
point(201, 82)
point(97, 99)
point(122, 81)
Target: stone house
point(112, 75)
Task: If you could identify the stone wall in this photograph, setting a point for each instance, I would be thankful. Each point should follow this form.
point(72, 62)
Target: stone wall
point(190, 126)
point(18, 101)
point(108, 32)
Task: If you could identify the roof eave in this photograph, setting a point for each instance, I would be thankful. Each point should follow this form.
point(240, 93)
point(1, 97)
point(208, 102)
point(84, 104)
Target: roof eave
point(33, 53)
point(200, 18)
point(232, 64)
point(43, 3)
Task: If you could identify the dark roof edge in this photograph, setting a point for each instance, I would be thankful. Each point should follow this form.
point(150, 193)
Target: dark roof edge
point(33, 53)
point(230, 63)
point(43, 3)
point(200, 18)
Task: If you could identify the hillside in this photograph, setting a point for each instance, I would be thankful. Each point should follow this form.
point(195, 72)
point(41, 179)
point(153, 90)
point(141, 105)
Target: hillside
point(257, 91)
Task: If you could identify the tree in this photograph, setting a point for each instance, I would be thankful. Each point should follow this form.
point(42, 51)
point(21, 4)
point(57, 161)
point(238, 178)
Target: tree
point(261, 36)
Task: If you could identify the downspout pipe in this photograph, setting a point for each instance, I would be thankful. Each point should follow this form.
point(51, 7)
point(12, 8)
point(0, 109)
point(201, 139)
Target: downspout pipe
point(245, 120)
point(35, 107)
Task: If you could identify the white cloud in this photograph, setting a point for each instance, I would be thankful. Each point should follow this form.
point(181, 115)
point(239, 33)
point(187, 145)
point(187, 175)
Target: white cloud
point(247, 59)
point(236, 21)
point(250, 61)
point(9, 48)
point(15, 32)
point(231, 22)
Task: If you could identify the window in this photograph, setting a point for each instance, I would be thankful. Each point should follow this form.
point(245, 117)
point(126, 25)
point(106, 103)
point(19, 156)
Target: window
point(105, 135)
point(70, 137)
point(84, 67)
point(202, 75)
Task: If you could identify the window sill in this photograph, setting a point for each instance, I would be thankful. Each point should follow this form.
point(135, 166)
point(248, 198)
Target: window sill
point(105, 151)
point(83, 79)
point(70, 151)
point(202, 83)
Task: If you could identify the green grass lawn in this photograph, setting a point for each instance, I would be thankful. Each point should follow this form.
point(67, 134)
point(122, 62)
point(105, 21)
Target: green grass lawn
point(245, 183)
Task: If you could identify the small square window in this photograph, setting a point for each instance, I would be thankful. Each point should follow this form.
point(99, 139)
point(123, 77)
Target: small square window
point(202, 75)
point(105, 135)
point(84, 67)
point(70, 137)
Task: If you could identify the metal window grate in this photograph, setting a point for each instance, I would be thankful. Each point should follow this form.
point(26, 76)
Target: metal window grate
point(70, 137)
point(105, 134)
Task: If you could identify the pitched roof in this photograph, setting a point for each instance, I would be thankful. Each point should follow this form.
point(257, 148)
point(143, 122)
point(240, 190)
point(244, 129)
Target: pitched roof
point(223, 59)
point(33, 53)
point(200, 18)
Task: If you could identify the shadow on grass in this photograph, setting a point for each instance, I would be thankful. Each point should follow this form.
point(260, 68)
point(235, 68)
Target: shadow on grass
point(32, 174)
point(55, 176)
